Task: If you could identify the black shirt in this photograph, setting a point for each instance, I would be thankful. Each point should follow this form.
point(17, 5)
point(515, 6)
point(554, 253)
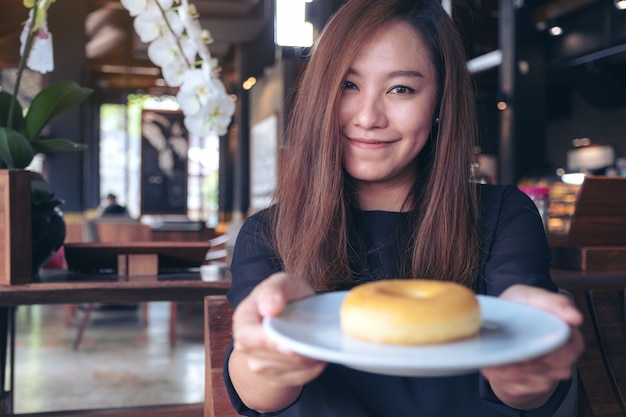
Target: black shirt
point(514, 250)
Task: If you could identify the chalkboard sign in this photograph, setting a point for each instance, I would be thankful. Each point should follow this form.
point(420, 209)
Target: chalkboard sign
point(164, 145)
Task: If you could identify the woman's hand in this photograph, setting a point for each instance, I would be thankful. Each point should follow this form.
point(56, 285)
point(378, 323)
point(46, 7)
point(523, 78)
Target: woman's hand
point(529, 384)
point(266, 376)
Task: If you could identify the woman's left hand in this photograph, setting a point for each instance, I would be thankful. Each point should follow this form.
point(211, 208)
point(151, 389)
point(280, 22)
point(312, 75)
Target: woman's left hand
point(529, 384)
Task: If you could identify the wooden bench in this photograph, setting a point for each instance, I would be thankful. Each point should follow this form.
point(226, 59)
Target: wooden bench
point(217, 336)
point(601, 378)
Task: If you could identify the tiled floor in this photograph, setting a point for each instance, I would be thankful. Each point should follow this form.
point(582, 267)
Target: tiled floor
point(120, 362)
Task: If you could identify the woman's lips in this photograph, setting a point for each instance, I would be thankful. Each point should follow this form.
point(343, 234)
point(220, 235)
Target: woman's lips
point(370, 143)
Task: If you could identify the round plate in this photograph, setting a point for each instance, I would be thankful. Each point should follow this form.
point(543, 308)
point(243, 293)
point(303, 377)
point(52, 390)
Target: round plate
point(510, 332)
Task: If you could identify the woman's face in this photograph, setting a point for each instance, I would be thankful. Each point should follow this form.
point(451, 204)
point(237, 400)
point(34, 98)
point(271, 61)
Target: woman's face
point(386, 108)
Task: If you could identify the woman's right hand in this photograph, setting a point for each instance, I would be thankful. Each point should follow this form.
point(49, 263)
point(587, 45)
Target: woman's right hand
point(266, 376)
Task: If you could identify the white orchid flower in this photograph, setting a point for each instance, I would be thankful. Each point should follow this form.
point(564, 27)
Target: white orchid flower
point(213, 66)
point(202, 43)
point(150, 24)
point(164, 50)
point(200, 37)
point(213, 118)
point(198, 89)
point(192, 93)
point(165, 53)
point(187, 12)
point(177, 41)
point(41, 56)
point(174, 73)
point(136, 7)
point(222, 111)
point(189, 49)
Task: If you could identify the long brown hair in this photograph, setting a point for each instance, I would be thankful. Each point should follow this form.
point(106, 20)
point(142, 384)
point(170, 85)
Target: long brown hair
point(311, 217)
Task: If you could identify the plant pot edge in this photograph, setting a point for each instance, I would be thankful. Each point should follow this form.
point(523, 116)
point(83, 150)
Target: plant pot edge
point(15, 227)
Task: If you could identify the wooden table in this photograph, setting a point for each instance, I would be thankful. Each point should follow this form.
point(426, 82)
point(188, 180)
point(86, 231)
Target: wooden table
point(62, 287)
point(573, 279)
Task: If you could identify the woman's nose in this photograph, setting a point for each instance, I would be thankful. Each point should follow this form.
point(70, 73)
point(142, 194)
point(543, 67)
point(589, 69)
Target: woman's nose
point(370, 112)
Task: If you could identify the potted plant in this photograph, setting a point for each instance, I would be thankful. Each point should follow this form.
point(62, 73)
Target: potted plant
point(21, 140)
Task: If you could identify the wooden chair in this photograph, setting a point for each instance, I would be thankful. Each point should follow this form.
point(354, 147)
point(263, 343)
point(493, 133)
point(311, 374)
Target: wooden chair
point(602, 367)
point(109, 230)
point(217, 336)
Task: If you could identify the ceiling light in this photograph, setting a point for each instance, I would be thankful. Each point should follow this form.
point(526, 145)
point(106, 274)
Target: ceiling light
point(620, 4)
point(556, 30)
point(291, 29)
point(573, 178)
point(249, 83)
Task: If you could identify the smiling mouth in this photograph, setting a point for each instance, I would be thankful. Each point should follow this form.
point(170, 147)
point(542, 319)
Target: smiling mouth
point(372, 142)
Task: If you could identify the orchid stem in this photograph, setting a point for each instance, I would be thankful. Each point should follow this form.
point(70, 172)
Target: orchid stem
point(20, 69)
point(167, 23)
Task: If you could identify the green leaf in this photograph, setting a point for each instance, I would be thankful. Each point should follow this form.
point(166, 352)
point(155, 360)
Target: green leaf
point(15, 149)
point(5, 104)
point(50, 102)
point(55, 145)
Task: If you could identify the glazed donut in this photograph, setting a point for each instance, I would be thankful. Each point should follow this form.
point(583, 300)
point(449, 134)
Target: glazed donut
point(410, 312)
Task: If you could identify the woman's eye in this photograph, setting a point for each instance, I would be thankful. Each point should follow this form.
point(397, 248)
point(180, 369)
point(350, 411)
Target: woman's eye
point(349, 85)
point(401, 89)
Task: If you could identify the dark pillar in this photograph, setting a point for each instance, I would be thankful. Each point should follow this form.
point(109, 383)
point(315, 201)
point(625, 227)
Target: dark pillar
point(225, 176)
point(69, 172)
point(522, 88)
point(251, 59)
point(241, 183)
point(506, 36)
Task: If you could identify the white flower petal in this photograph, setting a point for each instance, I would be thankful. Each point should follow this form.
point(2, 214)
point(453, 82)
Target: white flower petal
point(197, 124)
point(213, 118)
point(163, 51)
point(149, 25)
point(166, 4)
point(173, 73)
point(189, 49)
point(175, 24)
point(41, 58)
point(188, 102)
point(134, 7)
point(194, 80)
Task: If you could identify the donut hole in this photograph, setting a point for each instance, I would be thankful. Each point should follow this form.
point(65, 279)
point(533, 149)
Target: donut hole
point(408, 293)
point(421, 290)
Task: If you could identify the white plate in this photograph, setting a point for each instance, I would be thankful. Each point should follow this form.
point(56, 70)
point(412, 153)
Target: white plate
point(511, 332)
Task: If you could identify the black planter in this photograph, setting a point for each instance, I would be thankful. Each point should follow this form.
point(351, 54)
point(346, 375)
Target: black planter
point(48, 232)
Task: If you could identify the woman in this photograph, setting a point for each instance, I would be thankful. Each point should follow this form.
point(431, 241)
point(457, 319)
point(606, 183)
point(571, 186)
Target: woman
point(377, 187)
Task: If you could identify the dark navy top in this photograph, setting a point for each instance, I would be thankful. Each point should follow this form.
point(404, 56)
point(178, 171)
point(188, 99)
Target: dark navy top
point(514, 250)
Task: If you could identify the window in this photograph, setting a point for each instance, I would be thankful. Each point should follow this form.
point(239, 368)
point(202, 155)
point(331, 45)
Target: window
point(120, 159)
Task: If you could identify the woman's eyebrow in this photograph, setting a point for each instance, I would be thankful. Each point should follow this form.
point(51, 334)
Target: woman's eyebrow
point(398, 73)
point(407, 73)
